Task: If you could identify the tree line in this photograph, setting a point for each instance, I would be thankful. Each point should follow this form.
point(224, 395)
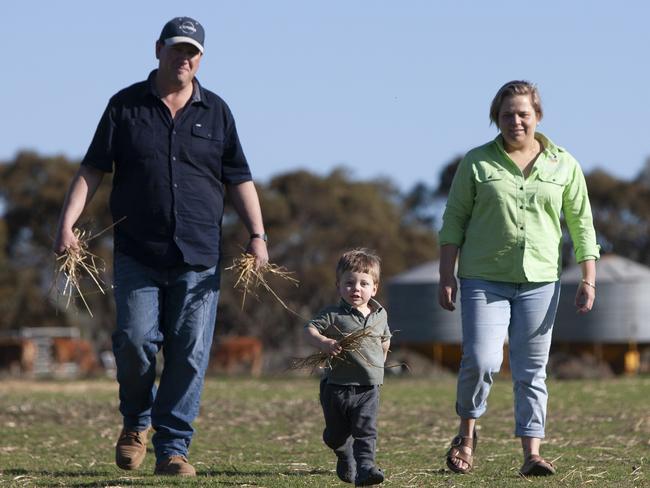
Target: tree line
point(310, 219)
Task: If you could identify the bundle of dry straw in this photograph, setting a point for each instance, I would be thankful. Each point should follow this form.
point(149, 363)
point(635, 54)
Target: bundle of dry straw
point(73, 264)
point(250, 278)
point(350, 343)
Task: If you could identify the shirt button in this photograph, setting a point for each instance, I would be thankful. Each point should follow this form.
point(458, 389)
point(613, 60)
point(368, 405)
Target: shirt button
point(173, 158)
point(174, 132)
point(521, 187)
point(175, 238)
point(521, 228)
point(175, 185)
point(521, 207)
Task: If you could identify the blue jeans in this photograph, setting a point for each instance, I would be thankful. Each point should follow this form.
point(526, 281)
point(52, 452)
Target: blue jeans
point(174, 309)
point(524, 313)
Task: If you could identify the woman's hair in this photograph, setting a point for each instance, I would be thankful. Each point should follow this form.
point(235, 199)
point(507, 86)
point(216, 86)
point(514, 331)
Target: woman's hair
point(512, 88)
point(359, 261)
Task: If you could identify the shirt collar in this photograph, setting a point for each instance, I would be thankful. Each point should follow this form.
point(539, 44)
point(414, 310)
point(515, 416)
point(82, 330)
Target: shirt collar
point(374, 305)
point(197, 89)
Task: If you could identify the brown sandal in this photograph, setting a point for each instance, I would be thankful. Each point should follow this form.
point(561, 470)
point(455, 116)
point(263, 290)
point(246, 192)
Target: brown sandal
point(455, 452)
point(536, 465)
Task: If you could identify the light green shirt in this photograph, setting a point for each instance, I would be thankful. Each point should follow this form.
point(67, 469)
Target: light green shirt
point(508, 227)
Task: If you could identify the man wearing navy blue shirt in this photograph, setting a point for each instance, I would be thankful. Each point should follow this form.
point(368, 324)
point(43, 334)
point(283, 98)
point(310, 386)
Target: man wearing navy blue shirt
point(174, 151)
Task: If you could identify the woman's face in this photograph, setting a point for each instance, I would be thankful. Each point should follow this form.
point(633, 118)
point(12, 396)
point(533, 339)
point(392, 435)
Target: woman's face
point(517, 121)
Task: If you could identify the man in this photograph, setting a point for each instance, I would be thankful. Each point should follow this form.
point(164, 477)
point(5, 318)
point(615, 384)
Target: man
point(175, 151)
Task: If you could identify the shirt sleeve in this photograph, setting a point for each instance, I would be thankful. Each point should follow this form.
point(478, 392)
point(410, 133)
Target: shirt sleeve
point(386, 335)
point(578, 217)
point(459, 205)
point(100, 154)
point(320, 322)
point(235, 167)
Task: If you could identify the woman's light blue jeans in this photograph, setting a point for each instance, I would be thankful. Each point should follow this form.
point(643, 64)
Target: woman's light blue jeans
point(173, 309)
point(524, 314)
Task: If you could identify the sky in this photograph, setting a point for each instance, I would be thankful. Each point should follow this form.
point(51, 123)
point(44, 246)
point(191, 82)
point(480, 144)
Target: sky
point(387, 89)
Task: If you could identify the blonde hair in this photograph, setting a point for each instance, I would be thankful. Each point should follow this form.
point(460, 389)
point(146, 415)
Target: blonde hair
point(512, 88)
point(360, 260)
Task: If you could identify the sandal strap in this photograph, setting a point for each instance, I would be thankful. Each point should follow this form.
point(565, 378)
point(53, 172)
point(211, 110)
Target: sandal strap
point(463, 441)
point(537, 459)
point(454, 452)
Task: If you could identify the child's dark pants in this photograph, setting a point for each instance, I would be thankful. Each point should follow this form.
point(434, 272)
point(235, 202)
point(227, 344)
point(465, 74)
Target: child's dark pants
point(351, 417)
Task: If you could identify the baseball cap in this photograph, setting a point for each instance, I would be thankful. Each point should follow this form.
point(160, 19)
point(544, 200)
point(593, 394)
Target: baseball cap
point(183, 29)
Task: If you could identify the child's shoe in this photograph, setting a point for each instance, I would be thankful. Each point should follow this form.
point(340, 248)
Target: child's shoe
point(369, 476)
point(346, 469)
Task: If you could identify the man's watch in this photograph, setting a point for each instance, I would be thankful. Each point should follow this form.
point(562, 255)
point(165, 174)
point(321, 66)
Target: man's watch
point(264, 237)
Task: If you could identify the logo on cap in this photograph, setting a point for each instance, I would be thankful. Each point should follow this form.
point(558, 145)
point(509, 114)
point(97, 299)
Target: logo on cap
point(187, 27)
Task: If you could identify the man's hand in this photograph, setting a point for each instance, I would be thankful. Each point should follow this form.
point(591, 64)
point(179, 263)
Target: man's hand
point(65, 239)
point(257, 248)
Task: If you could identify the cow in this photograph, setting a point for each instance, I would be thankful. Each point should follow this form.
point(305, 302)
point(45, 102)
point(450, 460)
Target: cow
point(77, 351)
point(237, 352)
point(17, 355)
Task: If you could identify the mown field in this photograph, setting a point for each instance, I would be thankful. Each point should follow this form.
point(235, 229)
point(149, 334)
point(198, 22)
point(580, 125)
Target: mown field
point(266, 433)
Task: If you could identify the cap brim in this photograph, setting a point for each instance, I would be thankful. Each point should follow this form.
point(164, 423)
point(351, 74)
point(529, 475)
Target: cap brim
point(182, 39)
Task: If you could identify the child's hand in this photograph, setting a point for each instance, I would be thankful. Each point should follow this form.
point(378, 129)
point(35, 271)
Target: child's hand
point(331, 347)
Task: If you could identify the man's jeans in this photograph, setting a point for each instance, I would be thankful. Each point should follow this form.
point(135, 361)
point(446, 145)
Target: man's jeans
point(524, 313)
point(174, 309)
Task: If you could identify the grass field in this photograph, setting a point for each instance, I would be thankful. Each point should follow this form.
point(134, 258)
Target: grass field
point(266, 433)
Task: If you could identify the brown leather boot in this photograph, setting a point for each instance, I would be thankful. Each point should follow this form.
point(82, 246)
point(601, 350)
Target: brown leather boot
point(175, 466)
point(130, 449)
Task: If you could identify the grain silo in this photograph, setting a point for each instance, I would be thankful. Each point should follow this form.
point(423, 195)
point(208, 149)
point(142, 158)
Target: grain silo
point(620, 320)
point(417, 320)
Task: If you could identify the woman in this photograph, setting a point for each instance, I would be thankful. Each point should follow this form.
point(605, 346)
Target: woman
point(503, 216)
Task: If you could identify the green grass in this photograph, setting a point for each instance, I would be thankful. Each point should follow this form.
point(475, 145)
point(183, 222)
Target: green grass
point(266, 433)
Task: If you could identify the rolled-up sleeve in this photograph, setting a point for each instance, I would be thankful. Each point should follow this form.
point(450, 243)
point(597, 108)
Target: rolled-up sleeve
point(579, 220)
point(459, 205)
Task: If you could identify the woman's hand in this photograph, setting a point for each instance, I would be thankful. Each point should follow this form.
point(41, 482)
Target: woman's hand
point(447, 289)
point(585, 296)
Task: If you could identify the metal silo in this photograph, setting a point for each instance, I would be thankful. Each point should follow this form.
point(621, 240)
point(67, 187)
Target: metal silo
point(621, 313)
point(414, 312)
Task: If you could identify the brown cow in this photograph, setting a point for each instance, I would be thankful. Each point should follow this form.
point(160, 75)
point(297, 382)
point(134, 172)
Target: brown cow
point(17, 355)
point(232, 353)
point(78, 351)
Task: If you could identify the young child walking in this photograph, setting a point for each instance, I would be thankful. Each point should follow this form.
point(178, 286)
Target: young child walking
point(349, 390)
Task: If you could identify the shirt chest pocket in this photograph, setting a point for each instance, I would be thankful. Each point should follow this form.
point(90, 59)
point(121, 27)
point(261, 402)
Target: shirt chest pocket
point(205, 147)
point(490, 182)
point(550, 187)
point(140, 141)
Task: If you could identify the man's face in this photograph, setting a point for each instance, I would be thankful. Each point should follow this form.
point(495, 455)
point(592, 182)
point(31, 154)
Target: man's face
point(178, 63)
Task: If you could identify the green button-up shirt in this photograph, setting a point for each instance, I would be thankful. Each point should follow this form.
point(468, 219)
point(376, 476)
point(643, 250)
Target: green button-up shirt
point(364, 366)
point(507, 226)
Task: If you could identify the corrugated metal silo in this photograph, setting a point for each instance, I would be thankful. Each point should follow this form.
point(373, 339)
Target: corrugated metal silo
point(621, 313)
point(413, 309)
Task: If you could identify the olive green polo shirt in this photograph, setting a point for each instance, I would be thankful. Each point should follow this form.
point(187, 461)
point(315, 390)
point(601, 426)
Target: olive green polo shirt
point(366, 365)
point(507, 226)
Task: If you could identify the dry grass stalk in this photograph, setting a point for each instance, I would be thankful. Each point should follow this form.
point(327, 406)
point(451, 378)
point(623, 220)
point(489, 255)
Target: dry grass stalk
point(350, 343)
point(74, 262)
point(250, 278)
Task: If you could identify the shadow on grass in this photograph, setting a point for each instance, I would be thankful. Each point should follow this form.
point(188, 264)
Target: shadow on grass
point(104, 478)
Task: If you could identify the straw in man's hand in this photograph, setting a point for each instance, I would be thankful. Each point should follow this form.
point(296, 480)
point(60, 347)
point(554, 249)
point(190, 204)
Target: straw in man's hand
point(74, 262)
point(250, 277)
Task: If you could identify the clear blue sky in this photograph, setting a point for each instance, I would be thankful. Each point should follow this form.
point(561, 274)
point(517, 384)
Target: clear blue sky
point(388, 88)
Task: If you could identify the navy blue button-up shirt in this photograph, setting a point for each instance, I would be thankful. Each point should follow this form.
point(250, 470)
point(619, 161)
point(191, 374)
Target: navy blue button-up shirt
point(169, 173)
